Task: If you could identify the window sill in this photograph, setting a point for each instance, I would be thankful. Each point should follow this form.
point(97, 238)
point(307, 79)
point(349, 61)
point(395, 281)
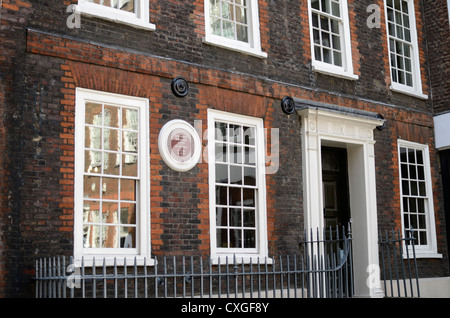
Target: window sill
point(405, 90)
point(224, 259)
point(109, 260)
point(334, 71)
point(234, 46)
point(115, 17)
point(420, 254)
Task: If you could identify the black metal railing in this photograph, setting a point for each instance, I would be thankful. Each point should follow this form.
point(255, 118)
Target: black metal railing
point(322, 269)
point(398, 264)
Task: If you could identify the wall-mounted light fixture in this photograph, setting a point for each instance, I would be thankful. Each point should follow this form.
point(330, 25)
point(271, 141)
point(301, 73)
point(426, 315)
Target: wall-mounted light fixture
point(180, 87)
point(288, 105)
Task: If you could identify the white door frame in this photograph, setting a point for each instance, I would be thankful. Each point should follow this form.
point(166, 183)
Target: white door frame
point(352, 130)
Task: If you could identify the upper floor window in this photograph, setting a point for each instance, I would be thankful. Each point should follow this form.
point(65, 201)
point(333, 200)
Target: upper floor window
point(111, 175)
point(237, 185)
point(403, 47)
point(330, 37)
point(234, 24)
point(416, 196)
point(131, 12)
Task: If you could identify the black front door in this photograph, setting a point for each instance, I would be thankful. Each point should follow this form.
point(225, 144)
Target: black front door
point(336, 206)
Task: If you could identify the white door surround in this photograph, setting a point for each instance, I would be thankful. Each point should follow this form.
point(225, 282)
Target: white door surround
point(337, 126)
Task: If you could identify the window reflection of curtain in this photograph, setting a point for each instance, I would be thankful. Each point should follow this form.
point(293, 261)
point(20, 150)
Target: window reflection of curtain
point(130, 137)
point(125, 5)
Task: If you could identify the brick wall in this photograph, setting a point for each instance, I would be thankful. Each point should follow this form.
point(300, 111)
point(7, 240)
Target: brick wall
point(438, 40)
point(45, 61)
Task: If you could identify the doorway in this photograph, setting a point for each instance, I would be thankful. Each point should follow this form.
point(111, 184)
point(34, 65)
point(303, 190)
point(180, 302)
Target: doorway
point(336, 203)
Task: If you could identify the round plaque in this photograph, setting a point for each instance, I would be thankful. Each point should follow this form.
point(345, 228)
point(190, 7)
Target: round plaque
point(179, 145)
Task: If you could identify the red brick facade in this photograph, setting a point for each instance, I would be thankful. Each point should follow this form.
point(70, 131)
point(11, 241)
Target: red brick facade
point(43, 62)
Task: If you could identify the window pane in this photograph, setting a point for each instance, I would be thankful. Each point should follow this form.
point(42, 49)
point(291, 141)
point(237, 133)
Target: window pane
point(126, 5)
point(236, 154)
point(249, 176)
point(228, 29)
point(327, 56)
point(325, 5)
point(127, 237)
point(315, 4)
point(324, 23)
point(337, 58)
point(91, 187)
point(249, 238)
point(221, 216)
point(91, 211)
point(249, 197)
point(221, 195)
point(235, 174)
point(111, 140)
point(242, 33)
point(235, 238)
point(111, 163)
point(241, 15)
point(111, 116)
point(93, 137)
point(316, 36)
point(249, 218)
point(221, 173)
point(128, 190)
point(222, 238)
point(317, 53)
point(92, 161)
point(110, 212)
point(216, 26)
point(130, 141)
point(249, 156)
point(221, 152)
point(335, 9)
point(110, 189)
point(235, 217)
point(130, 166)
point(128, 213)
point(220, 131)
point(93, 114)
point(110, 237)
point(235, 196)
point(249, 135)
point(91, 236)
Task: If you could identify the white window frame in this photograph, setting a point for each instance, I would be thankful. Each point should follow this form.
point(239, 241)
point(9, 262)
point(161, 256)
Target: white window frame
point(140, 253)
point(252, 47)
point(346, 70)
point(416, 89)
point(241, 254)
point(430, 249)
point(139, 19)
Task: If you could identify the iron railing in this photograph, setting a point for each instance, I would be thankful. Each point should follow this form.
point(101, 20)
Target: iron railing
point(398, 264)
point(323, 269)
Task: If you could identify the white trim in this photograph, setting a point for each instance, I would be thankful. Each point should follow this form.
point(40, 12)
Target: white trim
point(416, 89)
point(142, 250)
point(354, 133)
point(346, 71)
point(140, 19)
point(442, 131)
point(448, 10)
point(429, 250)
point(261, 250)
point(252, 47)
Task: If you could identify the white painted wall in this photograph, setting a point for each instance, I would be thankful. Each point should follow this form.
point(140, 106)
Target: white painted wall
point(442, 131)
